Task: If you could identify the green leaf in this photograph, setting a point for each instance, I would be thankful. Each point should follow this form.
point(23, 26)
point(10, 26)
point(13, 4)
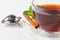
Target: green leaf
point(26, 12)
point(30, 9)
point(29, 12)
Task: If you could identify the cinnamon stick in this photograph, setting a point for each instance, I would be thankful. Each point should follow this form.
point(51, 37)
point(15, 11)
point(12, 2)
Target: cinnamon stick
point(34, 23)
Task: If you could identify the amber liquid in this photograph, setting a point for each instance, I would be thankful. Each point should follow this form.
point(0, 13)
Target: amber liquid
point(49, 22)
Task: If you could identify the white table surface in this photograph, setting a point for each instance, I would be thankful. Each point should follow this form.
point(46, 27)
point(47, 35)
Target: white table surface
point(14, 32)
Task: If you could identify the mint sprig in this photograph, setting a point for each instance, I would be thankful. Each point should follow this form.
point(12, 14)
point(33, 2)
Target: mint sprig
point(29, 12)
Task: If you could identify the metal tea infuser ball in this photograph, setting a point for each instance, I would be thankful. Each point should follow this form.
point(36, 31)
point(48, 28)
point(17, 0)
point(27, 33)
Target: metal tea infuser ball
point(11, 19)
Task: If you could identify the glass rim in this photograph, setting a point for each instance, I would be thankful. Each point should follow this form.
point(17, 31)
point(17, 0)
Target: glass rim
point(42, 9)
point(38, 7)
point(33, 3)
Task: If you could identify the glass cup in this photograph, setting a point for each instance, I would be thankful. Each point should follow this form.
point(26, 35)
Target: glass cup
point(48, 16)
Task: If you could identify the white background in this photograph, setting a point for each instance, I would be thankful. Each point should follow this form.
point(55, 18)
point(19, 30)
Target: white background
point(14, 32)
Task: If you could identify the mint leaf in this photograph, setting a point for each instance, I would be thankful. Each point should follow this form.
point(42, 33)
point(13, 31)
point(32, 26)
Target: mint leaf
point(30, 9)
point(29, 12)
point(26, 12)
